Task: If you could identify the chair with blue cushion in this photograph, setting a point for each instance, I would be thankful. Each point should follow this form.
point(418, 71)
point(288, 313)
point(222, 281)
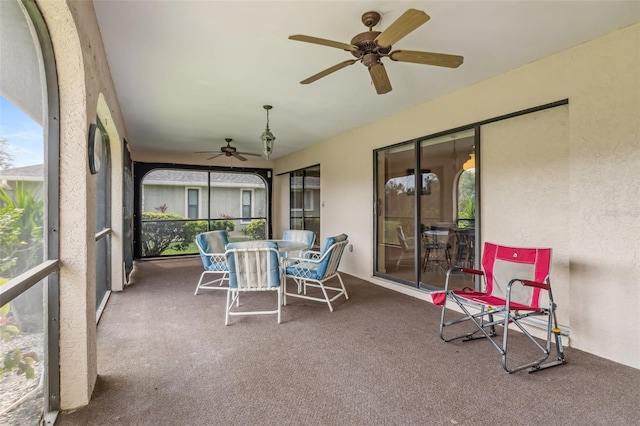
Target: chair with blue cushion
point(253, 266)
point(307, 237)
point(211, 246)
point(315, 269)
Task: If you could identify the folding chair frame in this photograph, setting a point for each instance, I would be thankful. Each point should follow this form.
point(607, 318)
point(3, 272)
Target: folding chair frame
point(509, 313)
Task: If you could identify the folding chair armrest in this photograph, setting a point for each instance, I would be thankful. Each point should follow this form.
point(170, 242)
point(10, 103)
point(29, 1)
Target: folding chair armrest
point(461, 269)
point(472, 271)
point(529, 283)
point(543, 286)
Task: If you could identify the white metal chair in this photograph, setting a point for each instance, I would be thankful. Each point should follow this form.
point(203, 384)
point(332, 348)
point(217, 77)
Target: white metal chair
point(308, 237)
point(253, 266)
point(316, 268)
point(211, 246)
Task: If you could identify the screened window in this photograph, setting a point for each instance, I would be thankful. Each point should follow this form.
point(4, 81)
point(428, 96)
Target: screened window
point(28, 218)
point(237, 202)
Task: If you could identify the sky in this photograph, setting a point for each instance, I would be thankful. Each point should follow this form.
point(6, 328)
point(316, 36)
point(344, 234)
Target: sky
point(23, 135)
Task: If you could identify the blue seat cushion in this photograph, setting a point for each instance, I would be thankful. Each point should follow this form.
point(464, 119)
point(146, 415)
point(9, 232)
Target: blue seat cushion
point(303, 270)
point(316, 271)
point(211, 242)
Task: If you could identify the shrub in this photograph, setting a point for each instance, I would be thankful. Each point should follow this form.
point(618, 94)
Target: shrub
point(22, 217)
point(223, 224)
point(21, 248)
point(256, 229)
point(163, 230)
point(200, 226)
point(10, 241)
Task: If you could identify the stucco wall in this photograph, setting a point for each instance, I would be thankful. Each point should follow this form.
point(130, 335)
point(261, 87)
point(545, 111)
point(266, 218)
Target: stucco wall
point(83, 76)
point(601, 79)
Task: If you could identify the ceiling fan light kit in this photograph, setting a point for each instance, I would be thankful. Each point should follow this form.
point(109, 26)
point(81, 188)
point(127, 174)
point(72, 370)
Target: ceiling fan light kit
point(267, 137)
point(371, 46)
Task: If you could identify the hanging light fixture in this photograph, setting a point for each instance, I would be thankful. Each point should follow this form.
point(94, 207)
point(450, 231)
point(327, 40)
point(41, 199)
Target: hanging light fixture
point(267, 137)
point(470, 163)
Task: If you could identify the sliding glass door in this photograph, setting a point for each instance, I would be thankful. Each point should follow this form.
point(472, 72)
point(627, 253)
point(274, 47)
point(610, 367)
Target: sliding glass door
point(395, 212)
point(305, 200)
point(425, 208)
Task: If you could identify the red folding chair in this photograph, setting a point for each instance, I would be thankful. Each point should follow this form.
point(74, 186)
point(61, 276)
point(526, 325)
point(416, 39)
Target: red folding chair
point(514, 279)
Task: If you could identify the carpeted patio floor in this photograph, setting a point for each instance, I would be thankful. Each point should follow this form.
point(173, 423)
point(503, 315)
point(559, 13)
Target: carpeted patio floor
point(166, 358)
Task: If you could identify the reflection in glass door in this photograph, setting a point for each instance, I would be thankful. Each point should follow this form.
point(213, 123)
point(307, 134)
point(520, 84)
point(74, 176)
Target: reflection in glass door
point(425, 209)
point(395, 211)
point(305, 200)
point(447, 189)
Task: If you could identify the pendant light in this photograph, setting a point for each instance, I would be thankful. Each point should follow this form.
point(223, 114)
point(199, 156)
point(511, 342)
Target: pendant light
point(471, 162)
point(267, 137)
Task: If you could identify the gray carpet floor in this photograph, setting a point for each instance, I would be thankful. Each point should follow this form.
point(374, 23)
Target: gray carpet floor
point(165, 357)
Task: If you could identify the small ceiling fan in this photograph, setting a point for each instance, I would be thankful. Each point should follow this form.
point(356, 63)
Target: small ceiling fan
point(371, 46)
point(229, 151)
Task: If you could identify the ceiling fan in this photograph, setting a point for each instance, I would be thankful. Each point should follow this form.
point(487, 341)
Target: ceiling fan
point(371, 46)
point(229, 151)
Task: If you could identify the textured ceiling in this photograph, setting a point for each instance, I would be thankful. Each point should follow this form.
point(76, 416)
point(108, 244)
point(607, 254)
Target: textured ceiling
point(190, 73)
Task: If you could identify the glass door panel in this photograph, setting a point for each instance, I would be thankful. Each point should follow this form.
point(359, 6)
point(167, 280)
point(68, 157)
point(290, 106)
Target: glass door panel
point(447, 205)
point(305, 201)
point(395, 211)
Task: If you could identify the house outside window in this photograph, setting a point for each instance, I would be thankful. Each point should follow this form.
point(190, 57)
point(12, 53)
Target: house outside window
point(247, 205)
point(193, 203)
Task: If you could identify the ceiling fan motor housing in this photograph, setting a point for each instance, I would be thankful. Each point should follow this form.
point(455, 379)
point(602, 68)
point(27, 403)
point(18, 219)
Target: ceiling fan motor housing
point(365, 42)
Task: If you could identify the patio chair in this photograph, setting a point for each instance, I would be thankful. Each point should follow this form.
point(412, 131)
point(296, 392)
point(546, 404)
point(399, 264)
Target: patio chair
point(436, 242)
point(254, 266)
point(308, 237)
point(211, 246)
point(514, 280)
point(315, 269)
point(406, 246)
